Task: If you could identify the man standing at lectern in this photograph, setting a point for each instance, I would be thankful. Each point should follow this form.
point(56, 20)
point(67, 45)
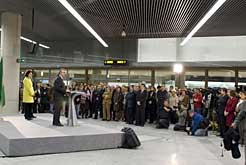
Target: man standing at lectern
point(59, 92)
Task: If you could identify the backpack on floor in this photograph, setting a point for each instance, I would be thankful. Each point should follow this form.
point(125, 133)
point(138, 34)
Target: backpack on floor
point(235, 151)
point(130, 139)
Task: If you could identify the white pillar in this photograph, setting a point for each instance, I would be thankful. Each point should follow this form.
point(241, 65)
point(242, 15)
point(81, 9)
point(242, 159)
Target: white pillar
point(10, 51)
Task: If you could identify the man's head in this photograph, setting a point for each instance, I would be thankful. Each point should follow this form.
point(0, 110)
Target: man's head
point(62, 73)
point(142, 87)
point(163, 88)
point(197, 91)
point(171, 88)
point(223, 91)
point(136, 88)
point(243, 95)
point(191, 113)
point(183, 92)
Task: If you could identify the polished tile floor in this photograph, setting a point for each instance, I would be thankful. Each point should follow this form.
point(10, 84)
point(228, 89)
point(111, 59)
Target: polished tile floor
point(159, 147)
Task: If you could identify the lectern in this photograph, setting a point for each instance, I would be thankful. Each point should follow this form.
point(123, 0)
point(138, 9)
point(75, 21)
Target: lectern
point(72, 116)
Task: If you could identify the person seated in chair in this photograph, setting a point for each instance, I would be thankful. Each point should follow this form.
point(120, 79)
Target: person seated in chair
point(198, 127)
point(164, 116)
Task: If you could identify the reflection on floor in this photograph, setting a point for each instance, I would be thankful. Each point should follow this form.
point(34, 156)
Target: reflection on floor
point(159, 147)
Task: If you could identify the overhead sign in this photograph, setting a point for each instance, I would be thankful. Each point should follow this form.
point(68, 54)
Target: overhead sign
point(115, 62)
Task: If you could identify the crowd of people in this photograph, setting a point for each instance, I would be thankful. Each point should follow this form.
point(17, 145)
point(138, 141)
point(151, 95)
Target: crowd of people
point(138, 104)
point(191, 110)
point(195, 109)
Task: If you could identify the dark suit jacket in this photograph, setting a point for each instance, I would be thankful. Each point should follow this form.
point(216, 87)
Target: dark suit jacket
point(141, 97)
point(59, 89)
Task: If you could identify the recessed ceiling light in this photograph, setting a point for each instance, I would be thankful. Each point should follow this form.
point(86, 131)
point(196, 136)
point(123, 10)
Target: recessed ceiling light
point(82, 21)
point(31, 41)
point(216, 6)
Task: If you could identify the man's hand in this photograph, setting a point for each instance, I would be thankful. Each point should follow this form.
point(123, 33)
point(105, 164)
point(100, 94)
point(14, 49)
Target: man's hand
point(234, 125)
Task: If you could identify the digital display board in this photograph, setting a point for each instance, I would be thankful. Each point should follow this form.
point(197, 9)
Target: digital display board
point(115, 62)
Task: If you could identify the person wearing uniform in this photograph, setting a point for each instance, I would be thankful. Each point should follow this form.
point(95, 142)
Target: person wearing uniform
point(107, 96)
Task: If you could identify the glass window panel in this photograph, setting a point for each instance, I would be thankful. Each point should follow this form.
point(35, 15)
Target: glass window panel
point(40, 74)
point(195, 79)
point(97, 76)
point(242, 77)
point(117, 77)
point(164, 77)
point(77, 75)
point(140, 76)
point(221, 78)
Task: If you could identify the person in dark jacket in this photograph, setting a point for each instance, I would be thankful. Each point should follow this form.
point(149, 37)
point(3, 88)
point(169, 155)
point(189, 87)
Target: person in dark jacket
point(141, 97)
point(97, 101)
point(162, 95)
point(240, 120)
point(221, 104)
point(44, 100)
point(130, 105)
point(151, 105)
point(59, 92)
point(37, 106)
point(163, 119)
point(118, 103)
point(112, 112)
point(85, 108)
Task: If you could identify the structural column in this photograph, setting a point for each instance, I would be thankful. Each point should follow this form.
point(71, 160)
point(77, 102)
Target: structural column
point(10, 52)
point(152, 77)
point(180, 80)
point(206, 78)
point(236, 78)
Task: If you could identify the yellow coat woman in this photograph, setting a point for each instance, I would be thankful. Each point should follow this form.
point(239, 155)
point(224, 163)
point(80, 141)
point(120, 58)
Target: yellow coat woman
point(28, 92)
point(28, 95)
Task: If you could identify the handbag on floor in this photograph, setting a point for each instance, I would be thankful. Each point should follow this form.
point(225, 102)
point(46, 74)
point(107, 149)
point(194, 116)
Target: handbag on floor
point(130, 139)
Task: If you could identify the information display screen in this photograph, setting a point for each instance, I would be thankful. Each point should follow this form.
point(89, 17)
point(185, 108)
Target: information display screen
point(115, 62)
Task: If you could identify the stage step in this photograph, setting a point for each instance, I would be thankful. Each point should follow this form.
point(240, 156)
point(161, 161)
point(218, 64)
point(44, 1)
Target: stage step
point(19, 137)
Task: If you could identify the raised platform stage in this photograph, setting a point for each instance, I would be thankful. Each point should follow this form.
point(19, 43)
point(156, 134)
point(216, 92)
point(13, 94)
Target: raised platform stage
point(19, 137)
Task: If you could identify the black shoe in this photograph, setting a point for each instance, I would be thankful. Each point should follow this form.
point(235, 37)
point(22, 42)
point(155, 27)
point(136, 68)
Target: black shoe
point(34, 117)
point(187, 131)
point(59, 125)
point(28, 118)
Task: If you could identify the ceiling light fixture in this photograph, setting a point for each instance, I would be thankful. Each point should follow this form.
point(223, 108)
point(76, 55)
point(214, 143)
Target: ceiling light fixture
point(82, 21)
point(216, 6)
point(123, 33)
point(31, 41)
point(178, 68)
point(28, 40)
point(44, 46)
